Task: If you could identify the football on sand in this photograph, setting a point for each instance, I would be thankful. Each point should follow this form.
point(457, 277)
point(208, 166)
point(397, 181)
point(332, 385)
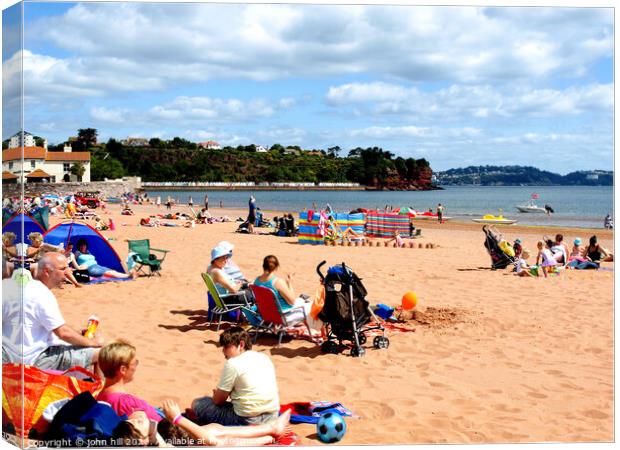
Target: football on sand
point(331, 427)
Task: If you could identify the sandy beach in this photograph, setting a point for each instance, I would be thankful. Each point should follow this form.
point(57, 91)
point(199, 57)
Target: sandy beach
point(497, 358)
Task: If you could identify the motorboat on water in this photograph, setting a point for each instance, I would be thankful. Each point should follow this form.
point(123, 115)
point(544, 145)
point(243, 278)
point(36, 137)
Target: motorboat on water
point(531, 207)
point(496, 220)
point(427, 215)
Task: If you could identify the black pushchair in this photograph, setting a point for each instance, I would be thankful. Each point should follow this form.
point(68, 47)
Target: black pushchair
point(499, 259)
point(346, 312)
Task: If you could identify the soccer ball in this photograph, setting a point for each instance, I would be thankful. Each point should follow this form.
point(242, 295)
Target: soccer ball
point(331, 427)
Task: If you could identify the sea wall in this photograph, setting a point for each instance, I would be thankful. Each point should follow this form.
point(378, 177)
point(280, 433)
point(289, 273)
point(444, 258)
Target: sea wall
point(106, 188)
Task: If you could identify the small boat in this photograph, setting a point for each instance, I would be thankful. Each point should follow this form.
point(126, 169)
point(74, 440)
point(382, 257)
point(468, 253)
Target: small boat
point(531, 207)
point(426, 215)
point(497, 220)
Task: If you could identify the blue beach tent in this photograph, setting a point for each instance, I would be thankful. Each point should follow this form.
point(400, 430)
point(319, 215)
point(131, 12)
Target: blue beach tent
point(14, 224)
point(97, 244)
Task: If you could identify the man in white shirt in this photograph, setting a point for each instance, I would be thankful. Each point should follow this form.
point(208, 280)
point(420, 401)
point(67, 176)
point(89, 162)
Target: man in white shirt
point(248, 378)
point(46, 342)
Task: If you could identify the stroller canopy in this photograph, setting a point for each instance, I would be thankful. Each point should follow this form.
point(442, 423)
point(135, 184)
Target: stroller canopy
point(97, 244)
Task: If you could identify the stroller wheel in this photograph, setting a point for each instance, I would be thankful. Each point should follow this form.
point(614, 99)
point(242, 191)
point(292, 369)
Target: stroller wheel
point(361, 338)
point(381, 342)
point(329, 347)
point(357, 352)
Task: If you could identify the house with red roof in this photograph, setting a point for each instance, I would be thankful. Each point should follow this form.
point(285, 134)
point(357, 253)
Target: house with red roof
point(210, 145)
point(41, 165)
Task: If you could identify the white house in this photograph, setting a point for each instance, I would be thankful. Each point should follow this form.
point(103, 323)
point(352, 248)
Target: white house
point(40, 164)
point(210, 145)
point(261, 149)
point(28, 140)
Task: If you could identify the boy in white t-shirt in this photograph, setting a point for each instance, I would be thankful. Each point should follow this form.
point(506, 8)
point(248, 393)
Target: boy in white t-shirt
point(248, 379)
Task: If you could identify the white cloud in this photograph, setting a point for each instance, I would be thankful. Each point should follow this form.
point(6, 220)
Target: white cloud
point(464, 101)
point(152, 45)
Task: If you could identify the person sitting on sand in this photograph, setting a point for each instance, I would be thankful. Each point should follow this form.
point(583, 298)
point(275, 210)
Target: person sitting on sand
point(127, 211)
point(223, 282)
point(37, 249)
point(559, 249)
point(87, 260)
point(518, 248)
point(397, 239)
point(71, 264)
point(9, 251)
point(522, 267)
point(596, 253)
point(248, 378)
point(99, 225)
point(118, 363)
point(576, 260)
point(545, 258)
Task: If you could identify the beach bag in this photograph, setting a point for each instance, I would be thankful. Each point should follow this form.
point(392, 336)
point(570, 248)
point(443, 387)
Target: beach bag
point(384, 311)
point(83, 420)
point(81, 275)
point(233, 316)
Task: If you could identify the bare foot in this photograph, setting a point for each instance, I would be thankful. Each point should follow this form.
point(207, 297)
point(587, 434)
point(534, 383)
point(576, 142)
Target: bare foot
point(281, 424)
point(133, 274)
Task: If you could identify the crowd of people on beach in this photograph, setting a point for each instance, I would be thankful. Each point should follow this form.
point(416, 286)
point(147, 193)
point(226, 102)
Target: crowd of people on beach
point(554, 254)
point(247, 392)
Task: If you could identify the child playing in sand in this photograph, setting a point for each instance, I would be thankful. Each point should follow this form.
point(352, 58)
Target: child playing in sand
point(545, 258)
point(398, 240)
point(523, 268)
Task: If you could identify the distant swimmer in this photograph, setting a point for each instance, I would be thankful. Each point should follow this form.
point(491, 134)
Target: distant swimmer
point(549, 209)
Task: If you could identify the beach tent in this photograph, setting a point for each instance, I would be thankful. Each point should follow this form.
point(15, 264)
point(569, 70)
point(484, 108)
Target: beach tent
point(384, 225)
point(97, 244)
point(309, 228)
point(14, 224)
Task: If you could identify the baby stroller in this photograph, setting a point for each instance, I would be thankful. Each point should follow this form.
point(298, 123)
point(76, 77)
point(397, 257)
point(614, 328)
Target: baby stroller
point(499, 259)
point(346, 312)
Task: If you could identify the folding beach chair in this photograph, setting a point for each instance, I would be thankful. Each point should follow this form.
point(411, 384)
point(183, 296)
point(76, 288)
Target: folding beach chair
point(223, 303)
point(273, 319)
point(144, 258)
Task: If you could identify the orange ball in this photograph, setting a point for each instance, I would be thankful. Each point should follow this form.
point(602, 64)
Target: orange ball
point(409, 301)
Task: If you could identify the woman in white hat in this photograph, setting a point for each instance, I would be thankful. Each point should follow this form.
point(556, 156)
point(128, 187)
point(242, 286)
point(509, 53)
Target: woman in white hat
point(223, 282)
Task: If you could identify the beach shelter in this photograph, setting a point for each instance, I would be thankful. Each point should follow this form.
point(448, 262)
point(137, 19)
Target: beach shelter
point(98, 245)
point(27, 391)
point(384, 225)
point(14, 224)
point(309, 232)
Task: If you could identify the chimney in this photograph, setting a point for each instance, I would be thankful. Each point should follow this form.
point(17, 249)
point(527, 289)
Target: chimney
point(67, 148)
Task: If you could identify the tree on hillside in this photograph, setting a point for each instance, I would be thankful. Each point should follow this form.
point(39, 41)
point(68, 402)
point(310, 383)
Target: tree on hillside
point(86, 137)
point(333, 151)
point(277, 148)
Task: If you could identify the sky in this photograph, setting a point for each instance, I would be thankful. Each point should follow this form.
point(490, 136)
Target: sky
point(457, 85)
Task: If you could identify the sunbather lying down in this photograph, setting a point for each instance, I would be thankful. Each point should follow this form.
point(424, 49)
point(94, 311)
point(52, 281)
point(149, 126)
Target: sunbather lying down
point(178, 430)
point(348, 234)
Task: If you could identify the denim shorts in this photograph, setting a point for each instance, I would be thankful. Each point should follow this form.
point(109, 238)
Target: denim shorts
point(95, 270)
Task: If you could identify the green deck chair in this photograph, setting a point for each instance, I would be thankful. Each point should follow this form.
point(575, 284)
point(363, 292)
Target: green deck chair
point(144, 258)
point(223, 303)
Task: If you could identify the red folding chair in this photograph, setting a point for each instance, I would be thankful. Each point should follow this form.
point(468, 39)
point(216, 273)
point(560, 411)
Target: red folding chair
point(273, 319)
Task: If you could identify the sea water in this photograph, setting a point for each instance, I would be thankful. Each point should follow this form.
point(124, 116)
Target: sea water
point(574, 206)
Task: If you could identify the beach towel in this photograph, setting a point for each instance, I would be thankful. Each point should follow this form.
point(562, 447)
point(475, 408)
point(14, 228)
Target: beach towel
point(311, 412)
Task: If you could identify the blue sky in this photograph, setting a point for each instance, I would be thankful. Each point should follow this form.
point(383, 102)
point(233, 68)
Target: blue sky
point(458, 86)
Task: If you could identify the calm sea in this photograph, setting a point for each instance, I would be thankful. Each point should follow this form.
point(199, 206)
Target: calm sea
point(582, 206)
